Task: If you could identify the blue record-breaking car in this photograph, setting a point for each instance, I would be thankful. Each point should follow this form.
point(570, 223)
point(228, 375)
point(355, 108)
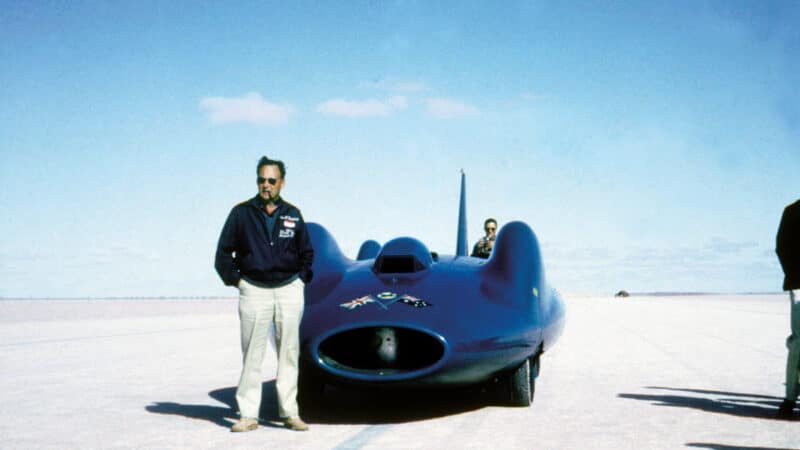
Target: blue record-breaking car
point(401, 316)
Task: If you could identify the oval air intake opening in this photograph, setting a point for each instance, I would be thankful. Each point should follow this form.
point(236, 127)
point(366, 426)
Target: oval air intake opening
point(381, 350)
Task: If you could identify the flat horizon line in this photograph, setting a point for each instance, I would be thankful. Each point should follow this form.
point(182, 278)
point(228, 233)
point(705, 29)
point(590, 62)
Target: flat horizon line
point(229, 297)
point(129, 297)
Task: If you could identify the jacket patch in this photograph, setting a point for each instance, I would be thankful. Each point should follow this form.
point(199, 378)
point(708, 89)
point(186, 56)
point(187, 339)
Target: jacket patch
point(289, 224)
point(286, 234)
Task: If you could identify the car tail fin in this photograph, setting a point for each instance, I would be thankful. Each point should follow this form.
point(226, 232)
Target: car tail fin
point(461, 240)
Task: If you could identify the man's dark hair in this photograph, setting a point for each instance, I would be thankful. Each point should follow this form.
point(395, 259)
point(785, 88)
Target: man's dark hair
point(488, 221)
point(264, 161)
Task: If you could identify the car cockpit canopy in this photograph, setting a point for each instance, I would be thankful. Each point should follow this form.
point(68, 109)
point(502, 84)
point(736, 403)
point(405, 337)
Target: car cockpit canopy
point(403, 255)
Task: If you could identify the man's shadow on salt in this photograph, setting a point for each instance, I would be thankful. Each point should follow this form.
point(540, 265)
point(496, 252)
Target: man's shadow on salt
point(224, 416)
point(340, 406)
point(754, 406)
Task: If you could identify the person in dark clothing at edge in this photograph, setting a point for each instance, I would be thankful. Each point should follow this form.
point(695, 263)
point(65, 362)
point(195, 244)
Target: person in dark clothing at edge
point(264, 251)
point(788, 249)
point(483, 248)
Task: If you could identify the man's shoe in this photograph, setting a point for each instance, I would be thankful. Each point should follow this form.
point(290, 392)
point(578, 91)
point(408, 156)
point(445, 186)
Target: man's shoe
point(245, 424)
point(786, 408)
point(296, 424)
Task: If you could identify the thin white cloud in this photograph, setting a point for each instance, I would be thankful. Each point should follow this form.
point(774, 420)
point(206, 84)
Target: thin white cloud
point(532, 96)
point(410, 86)
point(659, 268)
point(122, 252)
point(362, 108)
point(394, 85)
point(724, 246)
point(445, 108)
point(250, 108)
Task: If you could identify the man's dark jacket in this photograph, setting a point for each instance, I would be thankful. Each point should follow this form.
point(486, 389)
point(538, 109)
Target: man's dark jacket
point(245, 249)
point(788, 246)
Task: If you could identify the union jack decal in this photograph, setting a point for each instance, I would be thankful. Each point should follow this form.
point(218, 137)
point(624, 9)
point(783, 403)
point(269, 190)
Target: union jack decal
point(384, 300)
point(353, 304)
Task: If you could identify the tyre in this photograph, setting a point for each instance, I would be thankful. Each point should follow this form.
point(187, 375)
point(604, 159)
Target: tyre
point(519, 385)
point(535, 369)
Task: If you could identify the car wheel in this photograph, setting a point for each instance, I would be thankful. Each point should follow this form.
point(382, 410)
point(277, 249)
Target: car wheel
point(520, 385)
point(535, 369)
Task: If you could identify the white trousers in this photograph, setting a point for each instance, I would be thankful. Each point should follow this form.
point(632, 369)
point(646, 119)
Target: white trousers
point(259, 309)
point(793, 344)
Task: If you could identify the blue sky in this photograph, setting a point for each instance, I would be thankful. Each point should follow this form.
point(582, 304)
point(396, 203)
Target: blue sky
point(652, 147)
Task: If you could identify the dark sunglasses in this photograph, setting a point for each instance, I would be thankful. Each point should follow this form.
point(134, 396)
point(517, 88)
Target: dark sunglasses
point(490, 228)
point(262, 180)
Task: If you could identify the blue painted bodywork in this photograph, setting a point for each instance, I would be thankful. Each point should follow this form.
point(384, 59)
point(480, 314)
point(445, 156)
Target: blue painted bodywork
point(468, 319)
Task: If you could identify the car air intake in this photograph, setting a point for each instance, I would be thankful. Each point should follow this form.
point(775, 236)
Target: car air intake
point(381, 350)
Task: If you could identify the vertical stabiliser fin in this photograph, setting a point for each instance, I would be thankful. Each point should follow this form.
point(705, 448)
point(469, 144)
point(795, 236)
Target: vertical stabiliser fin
point(461, 240)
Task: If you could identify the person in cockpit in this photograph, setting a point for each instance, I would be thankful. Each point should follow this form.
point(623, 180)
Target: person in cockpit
point(483, 248)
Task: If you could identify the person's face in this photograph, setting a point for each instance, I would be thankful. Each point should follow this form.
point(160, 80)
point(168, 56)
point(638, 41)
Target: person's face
point(490, 229)
point(269, 183)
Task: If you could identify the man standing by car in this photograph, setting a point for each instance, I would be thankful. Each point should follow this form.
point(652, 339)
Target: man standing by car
point(788, 249)
point(265, 251)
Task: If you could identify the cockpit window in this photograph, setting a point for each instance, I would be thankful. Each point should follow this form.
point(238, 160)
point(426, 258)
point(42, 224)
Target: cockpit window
point(403, 255)
point(398, 264)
